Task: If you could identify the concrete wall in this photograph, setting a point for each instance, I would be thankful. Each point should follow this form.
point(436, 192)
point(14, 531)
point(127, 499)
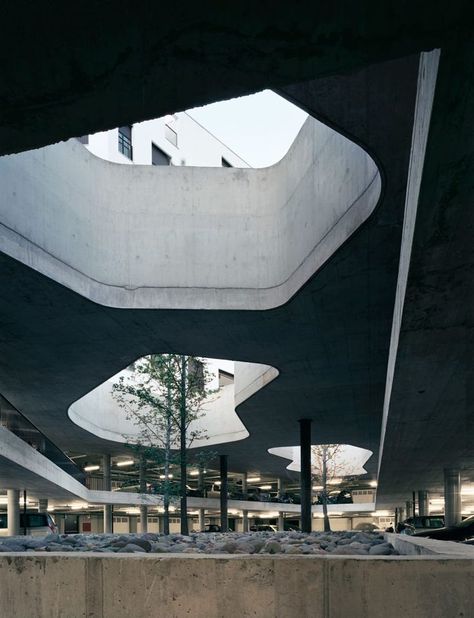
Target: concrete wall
point(54, 585)
point(182, 237)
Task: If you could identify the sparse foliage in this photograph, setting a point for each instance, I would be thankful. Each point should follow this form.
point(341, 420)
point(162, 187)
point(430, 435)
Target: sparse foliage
point(162, 396)
point(324, 469)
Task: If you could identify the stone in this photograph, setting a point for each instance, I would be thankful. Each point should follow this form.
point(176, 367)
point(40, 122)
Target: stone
point(271, 547)
point(381, 549)
point(131, 548)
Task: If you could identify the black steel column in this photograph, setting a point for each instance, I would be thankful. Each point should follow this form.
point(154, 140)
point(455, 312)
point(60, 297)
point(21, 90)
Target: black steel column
point(305, 476)
point(223, 468)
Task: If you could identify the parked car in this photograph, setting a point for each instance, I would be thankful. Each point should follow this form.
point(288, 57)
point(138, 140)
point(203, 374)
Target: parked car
point(212, 528)
point(263, 528)
point(459, 532)
point(37, 524)
point(419, 523)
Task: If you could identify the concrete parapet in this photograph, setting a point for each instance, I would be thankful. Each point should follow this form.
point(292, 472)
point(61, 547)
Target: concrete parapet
point(95, 585)
point(420, 546)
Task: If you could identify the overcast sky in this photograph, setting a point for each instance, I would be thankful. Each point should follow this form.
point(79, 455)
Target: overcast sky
point(259, 128)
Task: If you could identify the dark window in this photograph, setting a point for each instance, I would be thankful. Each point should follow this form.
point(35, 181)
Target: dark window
point(158, 157)
point(84, 139)
point(125, 141)
point(225, 163)
point(33, 520)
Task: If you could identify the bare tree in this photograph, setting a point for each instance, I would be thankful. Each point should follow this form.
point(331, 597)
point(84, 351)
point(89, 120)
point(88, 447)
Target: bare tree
point(324, 469)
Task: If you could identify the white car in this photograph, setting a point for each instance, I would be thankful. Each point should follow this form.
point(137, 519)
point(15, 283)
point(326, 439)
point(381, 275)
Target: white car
point(37, 524)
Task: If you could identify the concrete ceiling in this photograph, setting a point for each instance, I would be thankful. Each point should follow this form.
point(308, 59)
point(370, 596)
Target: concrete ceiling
point(330, 342)
point(71, 72)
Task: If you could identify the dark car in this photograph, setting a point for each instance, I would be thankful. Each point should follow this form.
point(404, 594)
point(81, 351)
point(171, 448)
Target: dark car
point(458, 532)
point(420, 523)
point(212, 528)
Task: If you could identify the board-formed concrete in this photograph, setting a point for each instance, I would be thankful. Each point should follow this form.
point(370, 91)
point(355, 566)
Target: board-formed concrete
point(113, 65)
point(95, 586)
point(166, 237)
point(329, 342)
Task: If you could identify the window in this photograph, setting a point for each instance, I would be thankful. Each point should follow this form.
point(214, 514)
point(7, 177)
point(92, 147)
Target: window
point(171, 135)
point(225, 163)
point(125, 141)
point(158, 157)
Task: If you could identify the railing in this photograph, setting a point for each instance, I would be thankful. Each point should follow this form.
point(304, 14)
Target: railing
point(14, 421)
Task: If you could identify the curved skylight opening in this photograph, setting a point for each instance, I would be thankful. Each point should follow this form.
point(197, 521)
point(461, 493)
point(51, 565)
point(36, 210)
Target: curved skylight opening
point(252, 131)
point(99, 411)
point(349, 460)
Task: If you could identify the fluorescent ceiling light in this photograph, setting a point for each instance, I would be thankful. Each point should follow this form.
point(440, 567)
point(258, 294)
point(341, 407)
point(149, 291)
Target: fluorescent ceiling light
point(265, 487)
point(317, 487)
point(127, 462)
point(194, 473)
point(373, 483)
point(253, 479)
point(91, 468)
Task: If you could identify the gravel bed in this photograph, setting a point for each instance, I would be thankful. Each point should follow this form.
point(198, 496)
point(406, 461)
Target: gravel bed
point(315, 543)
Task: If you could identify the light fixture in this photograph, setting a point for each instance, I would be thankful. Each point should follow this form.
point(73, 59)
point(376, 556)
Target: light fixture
point(253, 479)
point(91, 468)
point(132, 511)
point(126, 462)
point(267, 487)
point(317, 487)
point(373, 483)
point(194, 473)
point(78, 506)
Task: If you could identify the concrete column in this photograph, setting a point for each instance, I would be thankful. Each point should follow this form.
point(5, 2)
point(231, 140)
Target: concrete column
point(143, 490)
point(42, 505)
point(305, 475)
point(202, 519)
point(280, 487)
point(244, 485)
point(223, 493)
point(108, 515)
point(452, 497)
point(143, 518)
point(13, 512)
point(409, 508)
point(423, 502)
point(245, 521)
point(201, 484)
point(281, 521)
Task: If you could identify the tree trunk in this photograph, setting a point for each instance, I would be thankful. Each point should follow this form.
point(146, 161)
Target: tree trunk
point(183, 462)
point(327, 525)
point(166, 493)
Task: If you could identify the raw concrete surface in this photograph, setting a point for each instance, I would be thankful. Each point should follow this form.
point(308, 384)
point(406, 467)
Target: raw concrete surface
point(177, 237)
point(95, 586)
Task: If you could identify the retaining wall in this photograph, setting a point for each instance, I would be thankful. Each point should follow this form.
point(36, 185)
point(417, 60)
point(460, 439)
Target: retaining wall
point(111, 586)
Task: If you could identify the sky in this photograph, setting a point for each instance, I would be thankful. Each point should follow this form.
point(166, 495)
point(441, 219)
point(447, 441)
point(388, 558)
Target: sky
point(260, 128)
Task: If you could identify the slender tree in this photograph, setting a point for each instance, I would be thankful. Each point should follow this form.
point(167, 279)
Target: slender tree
point(324, 469)
point(162, 396)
